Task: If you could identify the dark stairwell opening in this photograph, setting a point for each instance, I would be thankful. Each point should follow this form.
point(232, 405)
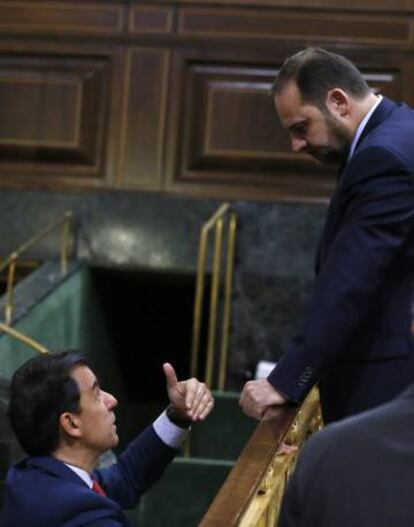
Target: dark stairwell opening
point(148, 316)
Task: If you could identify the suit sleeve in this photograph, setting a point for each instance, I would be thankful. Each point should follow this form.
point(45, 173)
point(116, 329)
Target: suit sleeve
point(137, 468)
point(378, 209)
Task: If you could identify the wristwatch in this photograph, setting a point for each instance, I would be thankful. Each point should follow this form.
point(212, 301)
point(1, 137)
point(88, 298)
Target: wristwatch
point(178, 421)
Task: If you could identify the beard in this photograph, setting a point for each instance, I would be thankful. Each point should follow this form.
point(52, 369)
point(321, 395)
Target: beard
point(336, 150)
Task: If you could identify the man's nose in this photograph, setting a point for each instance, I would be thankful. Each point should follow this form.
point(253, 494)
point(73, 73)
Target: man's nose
point(297, 144)
point(110, 401)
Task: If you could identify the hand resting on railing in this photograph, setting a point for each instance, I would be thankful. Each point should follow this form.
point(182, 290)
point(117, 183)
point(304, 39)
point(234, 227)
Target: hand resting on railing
point(258, 396)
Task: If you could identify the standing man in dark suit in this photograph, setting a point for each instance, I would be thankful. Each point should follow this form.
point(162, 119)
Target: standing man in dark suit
point(358, 472)
point(65, 421)
point(355, 339)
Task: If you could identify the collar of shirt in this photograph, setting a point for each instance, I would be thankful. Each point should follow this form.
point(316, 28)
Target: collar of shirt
point(361, 127)
point(82, 474)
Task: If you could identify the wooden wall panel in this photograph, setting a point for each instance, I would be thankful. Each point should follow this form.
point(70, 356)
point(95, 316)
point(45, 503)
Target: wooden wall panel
point(88, 97)
point(23, 119)
point(54, 117)
point(229, 114)
point(231, 133)
point(144, 118)
point(61, 17)
point(265, 24)
point(150, 19)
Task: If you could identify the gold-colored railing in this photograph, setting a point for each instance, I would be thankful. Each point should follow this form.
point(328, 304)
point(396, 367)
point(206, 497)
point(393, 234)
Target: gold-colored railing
point(252, 493)
point(11, 261)
point(14, 333)
point(218, 223)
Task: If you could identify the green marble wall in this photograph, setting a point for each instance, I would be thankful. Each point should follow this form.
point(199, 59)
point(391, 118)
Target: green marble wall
point(68, 317)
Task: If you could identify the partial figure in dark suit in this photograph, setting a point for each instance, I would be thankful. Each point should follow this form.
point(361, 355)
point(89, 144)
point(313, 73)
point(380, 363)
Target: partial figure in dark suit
point(358, 472)
point(65, 421)
point(355, 339)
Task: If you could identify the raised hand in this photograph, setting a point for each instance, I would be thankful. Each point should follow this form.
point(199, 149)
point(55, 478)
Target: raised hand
point(190, 399)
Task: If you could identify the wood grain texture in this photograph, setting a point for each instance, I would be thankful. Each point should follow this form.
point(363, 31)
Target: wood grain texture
point(174, 96)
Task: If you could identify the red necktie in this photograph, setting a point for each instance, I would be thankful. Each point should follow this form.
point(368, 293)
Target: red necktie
point(97, 488)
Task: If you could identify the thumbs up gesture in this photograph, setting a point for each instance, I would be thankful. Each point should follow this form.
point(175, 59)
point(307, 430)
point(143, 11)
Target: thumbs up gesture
point(190, 399)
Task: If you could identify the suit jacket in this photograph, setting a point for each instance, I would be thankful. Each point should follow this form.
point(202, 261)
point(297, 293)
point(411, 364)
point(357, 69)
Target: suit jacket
point(44, 492)
point(356, 338)
point(358, 472)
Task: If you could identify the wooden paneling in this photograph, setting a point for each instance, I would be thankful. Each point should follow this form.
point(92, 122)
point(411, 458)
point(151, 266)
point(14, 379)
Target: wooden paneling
point(24, 123)
point(55, 117)
point(231, 133)
point(229, 118)
point(61, 17)
point(150, 19)
point(237, 23)
point(144, 118)
point(88, 97)
point(231, 136)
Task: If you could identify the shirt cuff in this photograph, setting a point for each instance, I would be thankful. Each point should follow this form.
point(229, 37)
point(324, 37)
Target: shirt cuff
point(169, 433)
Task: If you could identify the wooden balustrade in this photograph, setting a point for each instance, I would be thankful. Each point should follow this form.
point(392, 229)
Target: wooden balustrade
point(252, 494)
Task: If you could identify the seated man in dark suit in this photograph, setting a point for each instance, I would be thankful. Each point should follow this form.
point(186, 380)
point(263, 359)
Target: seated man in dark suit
point(357, 472)
point(65, 421)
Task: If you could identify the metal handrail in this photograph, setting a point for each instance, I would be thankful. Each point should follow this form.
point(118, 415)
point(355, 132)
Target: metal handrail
point(11, 261)
point(215, 222)
point(23, 338)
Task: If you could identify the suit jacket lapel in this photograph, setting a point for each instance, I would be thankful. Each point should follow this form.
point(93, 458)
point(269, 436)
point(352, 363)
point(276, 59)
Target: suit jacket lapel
point(334, 213)
point(381, 113)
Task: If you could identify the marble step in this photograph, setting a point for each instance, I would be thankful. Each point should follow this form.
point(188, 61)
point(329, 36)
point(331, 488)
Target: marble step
point(183, 495)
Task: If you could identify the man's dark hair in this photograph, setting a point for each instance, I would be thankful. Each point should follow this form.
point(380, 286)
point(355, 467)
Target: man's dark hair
point(40, 391)
point(316, 71)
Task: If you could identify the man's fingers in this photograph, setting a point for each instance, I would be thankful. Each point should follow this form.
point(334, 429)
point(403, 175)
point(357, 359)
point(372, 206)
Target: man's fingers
point(170, 375)
point(207, 410)
point(257, 396)
point(200, 399)
point(285, 449)
point(204, 406)
point(190, 392)
point(200, 393)
point(251, 407)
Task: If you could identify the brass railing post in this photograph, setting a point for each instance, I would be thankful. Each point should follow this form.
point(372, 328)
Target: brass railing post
point(11, 261)
point(9, 291)
point(64, 244)
point(215, 283)
point(23, 338)
point(227, 302)
point(198, 301)
point(216, 222)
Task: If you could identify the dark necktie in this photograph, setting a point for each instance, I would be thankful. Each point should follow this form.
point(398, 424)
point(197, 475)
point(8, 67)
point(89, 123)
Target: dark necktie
point(97, 488)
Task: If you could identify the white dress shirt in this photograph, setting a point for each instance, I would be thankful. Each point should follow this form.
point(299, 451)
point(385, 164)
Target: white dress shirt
point(361, 127)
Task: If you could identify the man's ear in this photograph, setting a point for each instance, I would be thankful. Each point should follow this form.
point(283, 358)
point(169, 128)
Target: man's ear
point(70, 424)
point(338, 102)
